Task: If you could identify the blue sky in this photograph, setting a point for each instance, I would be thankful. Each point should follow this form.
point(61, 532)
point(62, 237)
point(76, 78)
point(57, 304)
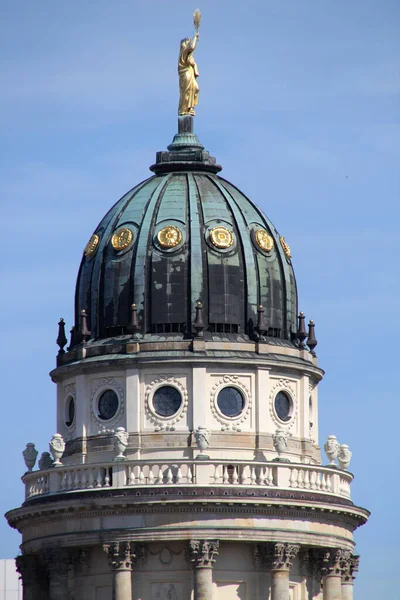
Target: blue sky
point(300, 104)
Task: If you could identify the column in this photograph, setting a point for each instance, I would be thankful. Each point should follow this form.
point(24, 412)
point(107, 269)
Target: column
point(32, 576)
point(202, 555)
point(122, 557)
point(331, 569)
point(278, 558)
point(349, 568)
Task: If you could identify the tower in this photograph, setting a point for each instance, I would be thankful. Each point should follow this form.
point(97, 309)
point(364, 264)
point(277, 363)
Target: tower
point(186, 463)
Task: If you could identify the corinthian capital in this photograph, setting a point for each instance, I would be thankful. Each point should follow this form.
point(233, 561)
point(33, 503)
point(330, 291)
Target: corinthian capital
point(275, 556)
point(203, 553)
point(334, 560)
point(119, 555)
point(350, 568)
point(28, 567)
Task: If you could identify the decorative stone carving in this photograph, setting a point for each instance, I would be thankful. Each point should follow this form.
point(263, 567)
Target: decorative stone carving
point(122, 556)
point(121, 437)
point(30, 455)
point(284, 385)
point(230, 423)
point(202, 437)
point(333, 561)
point(165, 423)
point(45, 461)
point(275, 556)
point(203, 553)
point(331, 448)
point(57, 448)
point(103, 384)
point(349, 568)
point(344, 456)
point(280, 439)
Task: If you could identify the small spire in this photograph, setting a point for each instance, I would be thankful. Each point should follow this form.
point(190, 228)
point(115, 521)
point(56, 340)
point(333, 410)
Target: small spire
point(85, 332)
point(261, 329)
point(301, 332)
point(199, 322)
point(72, 338)
point(61, 339)
point(133, 326)
point(312, 340)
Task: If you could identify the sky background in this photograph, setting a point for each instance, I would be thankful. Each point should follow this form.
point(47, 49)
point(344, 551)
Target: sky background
point(300, 104)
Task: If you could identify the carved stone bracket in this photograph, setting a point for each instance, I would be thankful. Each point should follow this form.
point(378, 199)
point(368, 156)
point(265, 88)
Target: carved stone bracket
point(349, 568)
point(203, 553)
point(122, 556)
point(275, 556)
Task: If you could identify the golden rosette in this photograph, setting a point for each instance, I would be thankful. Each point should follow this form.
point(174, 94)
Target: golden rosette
point(285, 247)
point(264, 240)
point(122, 238)
point(91, 246)
point(169, 237)
point(221, 237)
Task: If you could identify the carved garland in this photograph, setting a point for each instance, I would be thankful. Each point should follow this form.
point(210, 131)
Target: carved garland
point(69, 391)
point(107, 383)
point(230, 423)
point(165, 423)
point(283, 385)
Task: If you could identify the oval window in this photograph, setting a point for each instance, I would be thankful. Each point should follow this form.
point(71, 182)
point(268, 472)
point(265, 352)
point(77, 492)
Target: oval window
point(70, 411)
point(283, 406)
point(230, 402)
point(108, 405)
point(167, 401)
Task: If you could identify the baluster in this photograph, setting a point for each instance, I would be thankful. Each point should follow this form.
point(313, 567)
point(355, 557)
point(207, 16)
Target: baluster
point(179, 475)
point(170, 478)
point(217, 474)
point(189, 475)
point(91, 479)
point(225, 476)
point(107, 478)
point(261, 476)
point(131, 480)
point(328, 483)
point(323, 482)
point(244, 472)
point(235, 477)
point(160, 476)
point(75, 482)
point(63, 480)
point(141, 475)
point(307, 479)
point(270, 476)
point(313, 480)
point(83, 479)
point(293, 478)
point(253, 477)
point(150, 479)
point(300, 479)
point(99, 478)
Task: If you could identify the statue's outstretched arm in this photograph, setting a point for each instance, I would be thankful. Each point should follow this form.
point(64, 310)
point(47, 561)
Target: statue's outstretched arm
point(194, 42)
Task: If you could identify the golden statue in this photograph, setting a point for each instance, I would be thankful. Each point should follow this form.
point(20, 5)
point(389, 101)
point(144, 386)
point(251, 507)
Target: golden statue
point(188, 72)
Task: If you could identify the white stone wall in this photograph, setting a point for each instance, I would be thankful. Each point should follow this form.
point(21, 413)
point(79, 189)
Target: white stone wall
point(10, 584)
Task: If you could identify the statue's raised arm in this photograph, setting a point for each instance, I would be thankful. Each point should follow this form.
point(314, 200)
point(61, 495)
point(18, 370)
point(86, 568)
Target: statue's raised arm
point(188, 74)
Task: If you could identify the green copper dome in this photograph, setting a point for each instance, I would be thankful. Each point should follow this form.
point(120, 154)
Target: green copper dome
point(185, 236)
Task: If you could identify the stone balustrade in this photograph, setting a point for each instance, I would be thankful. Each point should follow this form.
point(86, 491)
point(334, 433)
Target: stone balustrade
point(143, 473)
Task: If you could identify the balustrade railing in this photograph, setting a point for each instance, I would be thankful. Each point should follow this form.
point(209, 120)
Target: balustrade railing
point(142, 473)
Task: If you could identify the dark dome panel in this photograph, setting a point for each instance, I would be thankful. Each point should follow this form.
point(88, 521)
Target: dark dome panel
point(186, 235)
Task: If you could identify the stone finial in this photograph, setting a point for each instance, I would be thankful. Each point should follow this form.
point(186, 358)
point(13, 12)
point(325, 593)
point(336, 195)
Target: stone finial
point(311, 340)
point(84, 330)
point(344, 456)
point(61, 338)
point(57, 448)
point(199, 321)
point(261, 328)
point(331, 448)
point(280, 439)
point(301, 331)
point(202, 437)
point(72, 340)
point(203, 553)
point(30, 454)
point(133, 326)
point(45, 461)
point(121, 437)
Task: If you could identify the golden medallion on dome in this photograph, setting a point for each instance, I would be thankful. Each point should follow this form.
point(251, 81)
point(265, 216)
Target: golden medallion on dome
point(264, 240)
point(91, 246)
point(121, 238)
point(169, 237)
point(221, 237)
point(285, 247)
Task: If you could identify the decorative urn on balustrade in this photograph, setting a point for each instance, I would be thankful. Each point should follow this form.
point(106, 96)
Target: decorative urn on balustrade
point(121, 437)
point(202, 437)
point(30, 454)
point(331, 448)
point(280, 439)
point(57, 447)
point(344, 456)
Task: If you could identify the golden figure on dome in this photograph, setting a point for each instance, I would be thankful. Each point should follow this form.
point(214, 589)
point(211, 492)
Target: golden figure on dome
point(188, 72)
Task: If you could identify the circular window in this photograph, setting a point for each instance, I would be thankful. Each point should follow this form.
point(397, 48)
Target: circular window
point(283, 406)
point(70, 411)
point(167, 401)
point(230, 402)
point(108, 405)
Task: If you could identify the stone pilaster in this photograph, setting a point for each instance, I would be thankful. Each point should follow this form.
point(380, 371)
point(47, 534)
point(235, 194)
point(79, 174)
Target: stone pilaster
point(331, 568)
point(202, 555)
point(349, 569)
point(311, 570)
point(122, 557)
point(277, 558)
point(34, 580)
point(57, 562)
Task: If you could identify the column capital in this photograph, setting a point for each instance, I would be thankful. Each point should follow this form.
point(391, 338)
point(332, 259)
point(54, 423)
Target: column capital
point(276, 556)
point(203, 553)
point(123, 556)
point(349, 568)
point(29, 568)
point(333, 560)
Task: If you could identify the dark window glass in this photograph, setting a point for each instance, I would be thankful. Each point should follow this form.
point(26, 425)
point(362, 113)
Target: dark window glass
point(230, 401)
point(283, 405)
point(70, 411)
point(108, 405)
point(167, 401)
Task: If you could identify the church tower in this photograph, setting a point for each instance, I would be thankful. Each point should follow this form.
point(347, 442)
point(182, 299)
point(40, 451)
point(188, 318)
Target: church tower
point(187, 462)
